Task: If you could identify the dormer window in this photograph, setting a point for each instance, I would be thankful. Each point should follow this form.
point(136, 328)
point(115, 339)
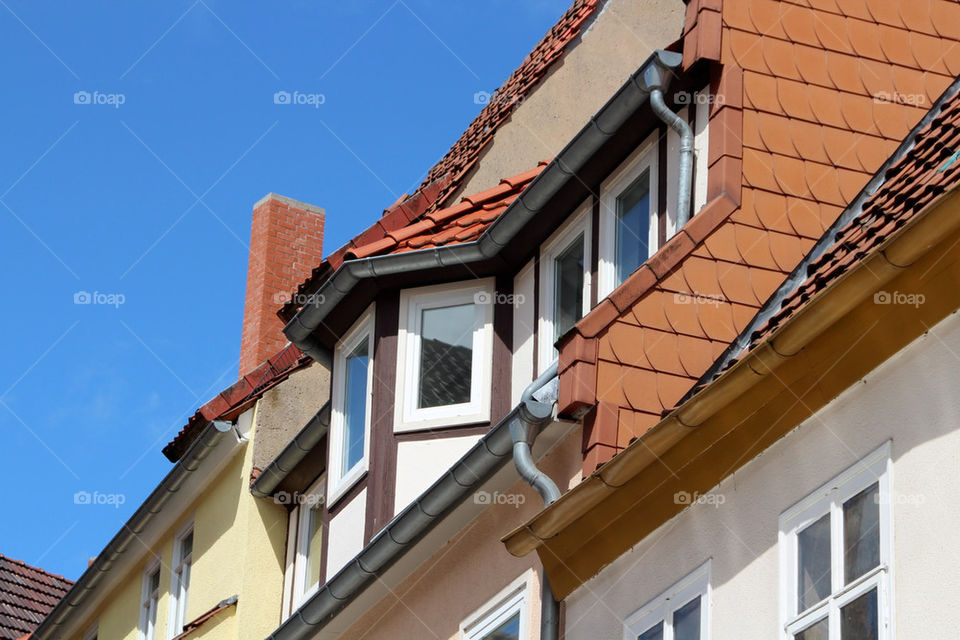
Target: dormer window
point(350, 415)
point(564, 282)
point(444, 355)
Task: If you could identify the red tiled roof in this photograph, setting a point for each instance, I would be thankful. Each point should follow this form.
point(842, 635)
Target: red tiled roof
point(448, 175)
point(462, 222)
point(928, 170)
point(235, 398)
point(27, 594)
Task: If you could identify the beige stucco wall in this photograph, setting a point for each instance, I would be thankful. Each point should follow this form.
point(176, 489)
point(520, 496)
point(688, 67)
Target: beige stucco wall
point(285, 409)
point(470, 569)
point(239, 543)
point(911, 400)
point(624, 34)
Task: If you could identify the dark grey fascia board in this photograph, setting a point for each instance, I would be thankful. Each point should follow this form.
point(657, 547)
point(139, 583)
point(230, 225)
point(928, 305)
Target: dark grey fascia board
point(655, 73)
point(485, 458)
point(799, 275)
point(291, 455)
point(212, 435)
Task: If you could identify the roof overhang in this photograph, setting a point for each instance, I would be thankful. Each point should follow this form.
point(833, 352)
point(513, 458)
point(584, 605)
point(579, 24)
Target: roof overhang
point(758, 399)
point(610, 135)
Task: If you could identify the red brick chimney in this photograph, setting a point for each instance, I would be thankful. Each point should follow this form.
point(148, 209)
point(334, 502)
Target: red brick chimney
point(286, 242)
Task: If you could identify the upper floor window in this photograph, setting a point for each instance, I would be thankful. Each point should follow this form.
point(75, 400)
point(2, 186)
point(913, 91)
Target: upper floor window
point(180, 586)
point(680, 613)
point(445, 344)
point(150, 602)
point(835, 554)
point(564, 282)
point(350, 416)
point(505, 617)
point(307, 567)
point(629, 228)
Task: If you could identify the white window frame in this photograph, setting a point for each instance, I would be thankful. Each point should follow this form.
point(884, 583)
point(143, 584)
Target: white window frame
point(407, 417)
point(144, 631)
point(579, 223)
point(180, 594)
point(662, 608)
point(829, 498)
point(340, 480)
point(516, 597)
point(314, 498)
point(644, 158)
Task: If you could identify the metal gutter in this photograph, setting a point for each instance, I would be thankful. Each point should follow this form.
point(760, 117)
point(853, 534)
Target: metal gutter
point(292, 454)
point(76, 597)
point(799, 274)
point(654, 74)
point(486, 457)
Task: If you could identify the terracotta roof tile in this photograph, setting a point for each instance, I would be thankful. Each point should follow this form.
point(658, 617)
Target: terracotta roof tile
point(27, 595)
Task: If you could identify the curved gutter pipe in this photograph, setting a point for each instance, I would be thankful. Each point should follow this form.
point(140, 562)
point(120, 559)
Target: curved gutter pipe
point(523, 434)
point(685, 173)
point(128, 536)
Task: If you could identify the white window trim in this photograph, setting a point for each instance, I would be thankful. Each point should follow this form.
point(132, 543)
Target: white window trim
point(579, 223)
point(143, 633)
point(697, 583)
point(829, 498)
point(645, 157)
point(701, 147)
point(314, 497)
point(516, 597)
point(339, 481)
point(177, 596)
point(407, 417)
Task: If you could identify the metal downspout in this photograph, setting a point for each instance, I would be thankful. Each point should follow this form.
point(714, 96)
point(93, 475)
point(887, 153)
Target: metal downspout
point(524, 431)
point(685, 173)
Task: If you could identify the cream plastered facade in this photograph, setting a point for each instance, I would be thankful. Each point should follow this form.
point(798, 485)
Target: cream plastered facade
point(910, 402)
point(239, 545)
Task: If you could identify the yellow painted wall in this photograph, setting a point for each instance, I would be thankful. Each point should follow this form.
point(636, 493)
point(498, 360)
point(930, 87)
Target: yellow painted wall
point(239, 546)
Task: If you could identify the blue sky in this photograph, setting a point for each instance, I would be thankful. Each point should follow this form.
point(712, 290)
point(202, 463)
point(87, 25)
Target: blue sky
point(140, 190)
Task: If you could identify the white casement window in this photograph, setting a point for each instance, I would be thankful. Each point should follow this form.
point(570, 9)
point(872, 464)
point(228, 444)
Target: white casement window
point(682, 612)
point(307, 543)
point(629, 228)
point(149, 602)
point(564, 282)
point(504, 617)
point(444, 355)
point(349, 451)
point(835, 557)
point(180, 580)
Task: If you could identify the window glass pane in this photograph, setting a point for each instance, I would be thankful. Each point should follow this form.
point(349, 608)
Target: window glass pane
point(858, 620)
point(314, 546)
point(186, 545)
point(355, 405)
point(686, 621)
point(861, 533)
point(633, 224)
point(446, 355)
point(653, 633)
point(813, 544)
point(509, 630)
point(817, 631)
point(154, 581)
point(568, 287)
